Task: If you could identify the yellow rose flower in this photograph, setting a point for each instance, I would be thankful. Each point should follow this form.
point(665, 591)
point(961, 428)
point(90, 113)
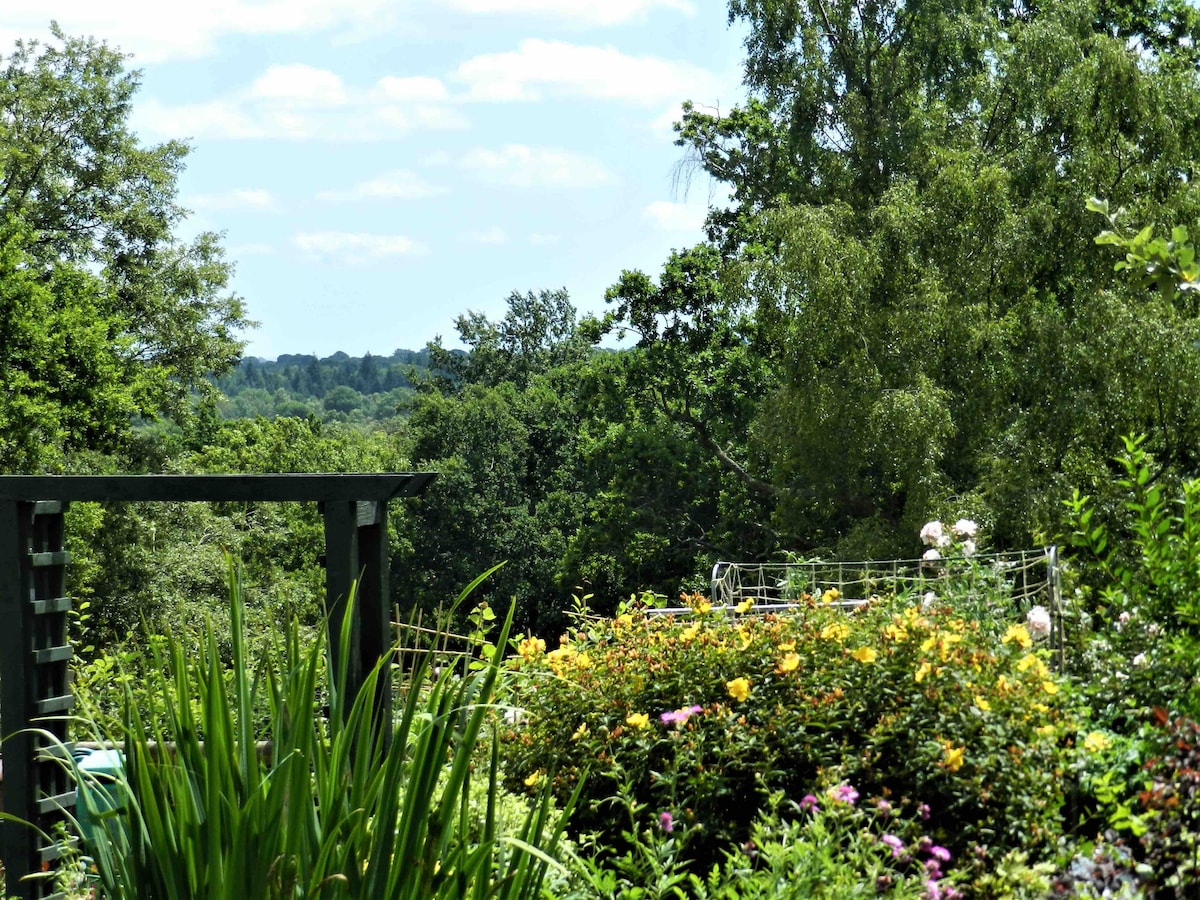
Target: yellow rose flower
point(831, 595)
point(745, 606)
point(690, 632)
point(865, 654)
point(1019, 635)
point(1096, 742)
point(788, 647)
point(922, 670)
point(982, 703)
point(637, 720)
point(1050, 687)
point(835, 631)
point(790, 662)
point(531, 648)
point(739, 688)
point(953, 757)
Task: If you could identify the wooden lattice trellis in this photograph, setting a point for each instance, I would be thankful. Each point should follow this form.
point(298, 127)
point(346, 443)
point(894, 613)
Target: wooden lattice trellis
point(35, 653)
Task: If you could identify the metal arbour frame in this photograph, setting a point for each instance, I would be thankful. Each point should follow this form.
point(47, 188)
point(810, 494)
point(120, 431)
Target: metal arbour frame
point(1026, 578)
point(35, 652)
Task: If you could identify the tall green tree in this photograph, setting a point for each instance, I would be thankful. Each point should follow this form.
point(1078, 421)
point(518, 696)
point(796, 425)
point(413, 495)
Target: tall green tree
point(91, 260)
point(909, 262)
point(538, 332)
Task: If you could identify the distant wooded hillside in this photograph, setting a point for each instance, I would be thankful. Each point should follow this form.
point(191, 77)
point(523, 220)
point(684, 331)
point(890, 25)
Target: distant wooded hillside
point(338, 388)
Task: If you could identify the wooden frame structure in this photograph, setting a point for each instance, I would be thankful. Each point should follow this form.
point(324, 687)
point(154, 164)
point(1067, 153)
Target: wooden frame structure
point(35, 653)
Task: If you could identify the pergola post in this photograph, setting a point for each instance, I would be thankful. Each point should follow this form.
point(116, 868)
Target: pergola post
point(356, 559)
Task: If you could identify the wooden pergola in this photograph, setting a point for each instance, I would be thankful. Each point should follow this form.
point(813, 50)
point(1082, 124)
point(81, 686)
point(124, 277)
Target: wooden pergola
point(35, 652)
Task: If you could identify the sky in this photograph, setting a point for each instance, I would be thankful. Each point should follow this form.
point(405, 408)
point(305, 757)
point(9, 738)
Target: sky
point(380, 167)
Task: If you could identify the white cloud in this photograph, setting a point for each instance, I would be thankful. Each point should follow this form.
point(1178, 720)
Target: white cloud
point(556, 68)
point(400, 184)
point(669, 216)
point(493, 236)
point(583, 12)
point(237, 199)
point(355, 247)
point(299, 85)
point(412, 89)
point(519, 166)
point(300, 102)
point(156, 32)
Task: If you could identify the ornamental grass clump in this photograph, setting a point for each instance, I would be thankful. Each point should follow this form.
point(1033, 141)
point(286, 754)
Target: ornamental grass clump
point(706, 717)
point(330, 804)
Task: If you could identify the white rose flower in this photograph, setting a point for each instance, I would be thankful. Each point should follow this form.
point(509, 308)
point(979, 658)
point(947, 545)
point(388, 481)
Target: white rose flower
point(968, 548)
point(932, 533)
point(1140, 660)
point(1123, 620)
point(928, 600)
point(1037, 621)
point(965, 528)
point(931, 555)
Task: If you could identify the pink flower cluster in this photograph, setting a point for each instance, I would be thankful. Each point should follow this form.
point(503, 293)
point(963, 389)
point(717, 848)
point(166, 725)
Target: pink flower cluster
point(679, 716)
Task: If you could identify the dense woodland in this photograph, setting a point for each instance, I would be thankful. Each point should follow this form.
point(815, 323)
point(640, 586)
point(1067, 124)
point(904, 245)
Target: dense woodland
point(902, 313)
point(337, 388)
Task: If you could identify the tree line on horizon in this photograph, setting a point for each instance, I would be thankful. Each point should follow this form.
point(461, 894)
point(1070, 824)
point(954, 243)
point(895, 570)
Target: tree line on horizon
point(335, 388)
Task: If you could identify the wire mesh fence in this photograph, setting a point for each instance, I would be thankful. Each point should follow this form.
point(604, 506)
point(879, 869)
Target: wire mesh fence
point(996, 589)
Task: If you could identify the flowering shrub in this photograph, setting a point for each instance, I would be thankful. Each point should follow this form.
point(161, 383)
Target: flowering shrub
point(835, 846)
point(705, 717)
point(958, 538)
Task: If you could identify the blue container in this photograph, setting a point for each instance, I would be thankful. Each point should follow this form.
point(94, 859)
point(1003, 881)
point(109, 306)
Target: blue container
point(99, 792)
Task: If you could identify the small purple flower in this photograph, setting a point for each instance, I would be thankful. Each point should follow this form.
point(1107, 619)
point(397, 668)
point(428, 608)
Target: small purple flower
point(666, 822)
point(923, 809)
point(679, 716)
point(925, 843)
point(934, 868)
point(809, 803)
point(883, 807)
point(844, 793)
point(941, 853)
point(895, 843)
point(932, 890)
